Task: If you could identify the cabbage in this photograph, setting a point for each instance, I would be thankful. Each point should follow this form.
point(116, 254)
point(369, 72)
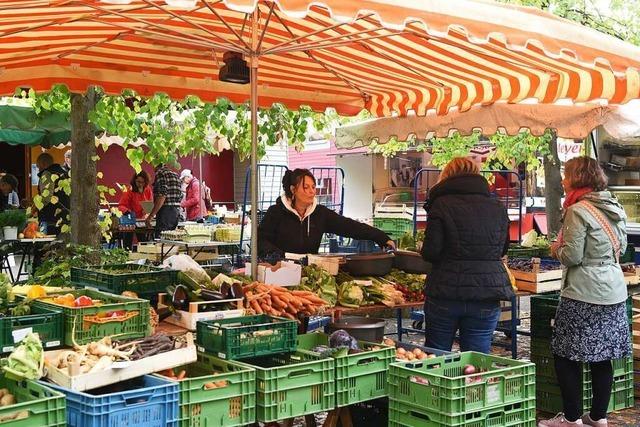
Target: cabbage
point(26, 361)
point(529, 239)
point(341, 338)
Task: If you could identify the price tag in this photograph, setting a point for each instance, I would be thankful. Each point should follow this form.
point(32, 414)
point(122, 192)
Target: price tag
point(120, 365)
point(19, 334)
point(52, 344)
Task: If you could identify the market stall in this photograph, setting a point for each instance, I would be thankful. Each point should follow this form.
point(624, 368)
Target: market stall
point(346, 54)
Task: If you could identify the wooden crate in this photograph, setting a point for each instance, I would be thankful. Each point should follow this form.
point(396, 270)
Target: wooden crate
point(538, 282)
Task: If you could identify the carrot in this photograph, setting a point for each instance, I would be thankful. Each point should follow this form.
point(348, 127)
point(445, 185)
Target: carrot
point(256, 307)
point(265, 307)
point(277, 302)
point(278, 289)
point(289, 316)
point(316, 299)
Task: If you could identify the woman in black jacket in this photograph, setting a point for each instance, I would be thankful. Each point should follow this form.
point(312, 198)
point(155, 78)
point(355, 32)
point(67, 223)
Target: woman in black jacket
point(466, 237)
point(296, 223)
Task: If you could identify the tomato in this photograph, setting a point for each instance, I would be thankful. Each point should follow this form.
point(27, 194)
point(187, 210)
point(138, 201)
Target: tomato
point(83, 301)
point(114, 314)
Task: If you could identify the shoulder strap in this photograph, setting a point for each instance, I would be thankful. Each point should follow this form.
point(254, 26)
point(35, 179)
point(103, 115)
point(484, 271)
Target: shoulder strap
point(606, 226)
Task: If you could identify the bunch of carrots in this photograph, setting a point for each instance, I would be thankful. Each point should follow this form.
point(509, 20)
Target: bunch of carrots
point(279, 301)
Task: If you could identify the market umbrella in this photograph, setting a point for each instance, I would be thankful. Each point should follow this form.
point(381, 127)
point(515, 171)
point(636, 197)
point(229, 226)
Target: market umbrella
point(390, 57)
point(22, 126)
point(619, 123)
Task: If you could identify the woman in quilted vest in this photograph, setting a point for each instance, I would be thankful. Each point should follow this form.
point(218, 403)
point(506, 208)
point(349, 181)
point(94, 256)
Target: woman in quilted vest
point(466, 237)
point(591, 324)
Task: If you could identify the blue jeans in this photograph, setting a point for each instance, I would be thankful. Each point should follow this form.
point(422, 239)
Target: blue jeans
point(476, 321)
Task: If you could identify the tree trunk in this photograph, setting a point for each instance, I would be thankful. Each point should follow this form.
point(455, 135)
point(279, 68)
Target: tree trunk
point(84, 187)
point(553, 188)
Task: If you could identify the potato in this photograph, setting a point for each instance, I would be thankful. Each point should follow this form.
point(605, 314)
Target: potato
point(3, 391)
point(410, 356)
point(209, 386)
point(417, 351)
point(220, 384)
point(7, 400)
point(401, 351)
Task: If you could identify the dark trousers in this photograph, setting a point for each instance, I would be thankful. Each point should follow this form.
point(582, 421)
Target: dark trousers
point(569, 375)
point(476, 321)
point(166, 219)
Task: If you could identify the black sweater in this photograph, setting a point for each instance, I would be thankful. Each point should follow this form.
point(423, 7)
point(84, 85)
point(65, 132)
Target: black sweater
point(281, 230)
point(467, 235)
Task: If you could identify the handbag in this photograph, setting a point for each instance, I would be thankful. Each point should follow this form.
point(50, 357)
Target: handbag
point(606, 227)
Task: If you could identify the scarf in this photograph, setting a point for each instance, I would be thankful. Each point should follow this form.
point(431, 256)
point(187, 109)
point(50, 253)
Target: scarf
point(574, 196)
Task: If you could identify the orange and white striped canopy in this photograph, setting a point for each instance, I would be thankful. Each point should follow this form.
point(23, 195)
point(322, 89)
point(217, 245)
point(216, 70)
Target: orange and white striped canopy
point(388, 56)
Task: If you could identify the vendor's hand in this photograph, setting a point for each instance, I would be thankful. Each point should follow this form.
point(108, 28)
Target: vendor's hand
point(391, 244)
point(147, 222)
point(554, 248)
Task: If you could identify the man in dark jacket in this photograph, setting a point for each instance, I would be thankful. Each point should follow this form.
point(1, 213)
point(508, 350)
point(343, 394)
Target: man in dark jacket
point(56, 203)
point(466, 238)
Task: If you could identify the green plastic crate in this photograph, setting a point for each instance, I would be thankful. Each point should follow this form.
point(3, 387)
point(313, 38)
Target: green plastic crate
point(394, 227)
point(545, 367)
point(85, 325)
point(232, 405)
point(145, 281)
point(549, 398)
point(521, 414)
point(291, 385)
point(439, 384)
point(359, 377)
point(47, 322)
point(542, 356)
point(248, 336)
point(46, 407)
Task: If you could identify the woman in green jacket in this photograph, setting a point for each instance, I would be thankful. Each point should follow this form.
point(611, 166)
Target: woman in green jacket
point(591, 324)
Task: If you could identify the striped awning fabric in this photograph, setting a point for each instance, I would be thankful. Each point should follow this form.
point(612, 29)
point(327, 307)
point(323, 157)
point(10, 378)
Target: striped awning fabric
point(390, 57)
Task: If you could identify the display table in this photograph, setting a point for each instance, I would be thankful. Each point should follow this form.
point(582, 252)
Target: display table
point(27, 248)
point(188, 246)
point(337, 312)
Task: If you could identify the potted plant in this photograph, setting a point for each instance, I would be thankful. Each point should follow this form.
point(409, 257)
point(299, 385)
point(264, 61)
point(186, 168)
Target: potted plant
point(12, 220)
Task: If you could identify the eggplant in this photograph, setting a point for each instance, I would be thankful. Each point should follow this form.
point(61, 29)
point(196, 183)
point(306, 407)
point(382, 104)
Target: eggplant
point(236, 291)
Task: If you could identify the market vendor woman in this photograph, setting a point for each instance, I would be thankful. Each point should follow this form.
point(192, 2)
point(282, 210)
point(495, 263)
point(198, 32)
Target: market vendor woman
point(296, 223)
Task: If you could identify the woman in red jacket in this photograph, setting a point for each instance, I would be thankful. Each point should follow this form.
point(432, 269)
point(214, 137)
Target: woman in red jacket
point(139, 191)
point(192, 202)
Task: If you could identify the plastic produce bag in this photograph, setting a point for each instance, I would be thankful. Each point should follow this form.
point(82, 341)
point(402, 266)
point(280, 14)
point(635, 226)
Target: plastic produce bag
point(191, 268)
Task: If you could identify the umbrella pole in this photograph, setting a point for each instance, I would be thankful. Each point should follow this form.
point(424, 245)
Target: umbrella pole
point(254, 148)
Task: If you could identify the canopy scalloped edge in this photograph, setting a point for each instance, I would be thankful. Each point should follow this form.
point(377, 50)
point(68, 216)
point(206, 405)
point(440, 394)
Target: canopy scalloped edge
point(569, 121)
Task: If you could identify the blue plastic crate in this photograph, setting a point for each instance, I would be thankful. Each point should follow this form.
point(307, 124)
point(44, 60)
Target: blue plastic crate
point(318, 322)
point(353, 246)
point(146, 401)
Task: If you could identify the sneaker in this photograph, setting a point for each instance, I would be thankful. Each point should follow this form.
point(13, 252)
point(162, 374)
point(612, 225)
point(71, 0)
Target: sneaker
point(559, 421)
point(586, 420)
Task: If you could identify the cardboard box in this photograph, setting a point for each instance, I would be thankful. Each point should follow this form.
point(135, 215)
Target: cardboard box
point(283, 273)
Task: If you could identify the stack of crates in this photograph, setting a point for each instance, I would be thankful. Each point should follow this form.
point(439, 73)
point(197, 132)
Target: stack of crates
point(436, 392)
point(636, 342)
point(543, 310)
point(394, 227)
point(360, 376)
point(288, 383)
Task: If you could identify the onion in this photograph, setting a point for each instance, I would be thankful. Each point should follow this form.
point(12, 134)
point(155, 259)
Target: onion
point(469, 370)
